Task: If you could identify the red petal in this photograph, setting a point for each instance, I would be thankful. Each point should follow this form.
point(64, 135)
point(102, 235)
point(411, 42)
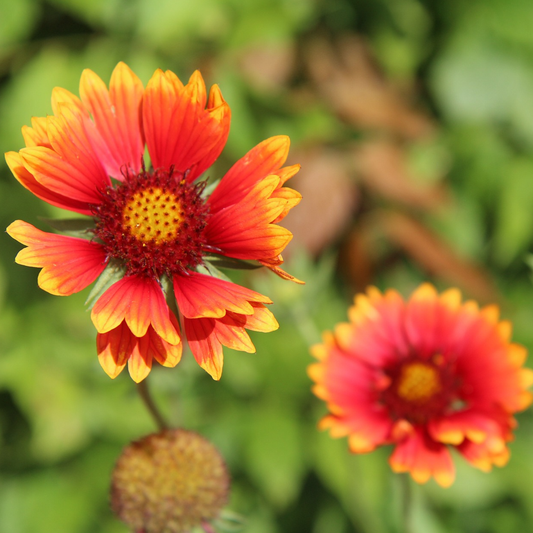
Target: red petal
point(114, 349)
point(140, 302)
point(71, 168)
point(245, 231)
point(16, 165)
point(199, 295)
point(204, 345)
point(116, 114)
point(179, 131)
point(264, 159)
point(484, 455)
point(68, 264)
point(423, 459)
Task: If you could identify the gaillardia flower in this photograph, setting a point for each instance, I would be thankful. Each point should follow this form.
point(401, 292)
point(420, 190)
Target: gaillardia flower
point(169, 482)
point(152, 235)
point(423, 375)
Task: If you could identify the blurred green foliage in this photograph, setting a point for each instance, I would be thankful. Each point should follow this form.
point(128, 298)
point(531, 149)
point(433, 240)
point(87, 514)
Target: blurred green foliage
point(468, 65)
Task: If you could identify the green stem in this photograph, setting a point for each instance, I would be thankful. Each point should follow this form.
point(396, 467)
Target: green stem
point(146, 397)
point(407, 503)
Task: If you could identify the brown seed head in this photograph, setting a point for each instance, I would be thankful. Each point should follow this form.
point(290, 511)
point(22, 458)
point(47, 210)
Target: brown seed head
point(169, 482)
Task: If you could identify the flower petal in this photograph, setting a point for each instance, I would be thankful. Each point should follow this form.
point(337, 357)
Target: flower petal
point(70, 168)
point(233, 336)
point(263, 160)
point(164, 353)
point(68, 264)
point(245, 231)
point(140, 360)
point(199, 295)
point(37, 135)
point(470, 424)
point(114, 349)
point(180, 132)
point(262, 320)
point(204, 345)
point(484, 455)
point(138, 301)
point(118, 346)
point(117, 116)
point(16, 164)
point(423, 459)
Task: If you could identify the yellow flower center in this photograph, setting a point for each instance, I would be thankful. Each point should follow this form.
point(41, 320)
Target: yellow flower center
point(418, 382)
point(153, 215)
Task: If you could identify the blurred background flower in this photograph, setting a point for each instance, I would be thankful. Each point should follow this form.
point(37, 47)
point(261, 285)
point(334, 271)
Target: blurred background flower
point(423, 375)
point(413, 121)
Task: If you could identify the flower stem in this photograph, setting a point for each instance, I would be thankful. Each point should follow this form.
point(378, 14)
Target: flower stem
point(407, 503)
point(146, 397)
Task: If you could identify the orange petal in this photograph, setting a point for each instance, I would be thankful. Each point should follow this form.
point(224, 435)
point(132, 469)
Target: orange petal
point(164, 353)
point(140, 360)
point(204, 345)
point(63, 99)
point(16, 164)
point(469, 424)
point(233, 337)
point(484, 455)
point(71, 168)
point(68, 264)
point(180, 132)
point(422, 462)
point(291, 198)
point(282, 274)
point(261, 161)
point(245, 231)
point(116, 114)
point(114, 349)
point(199, 295)
point(37, 135)
point(262, 320)
point(140, 302)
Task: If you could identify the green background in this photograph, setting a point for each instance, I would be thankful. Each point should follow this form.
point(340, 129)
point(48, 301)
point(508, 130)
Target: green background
point(413, 121)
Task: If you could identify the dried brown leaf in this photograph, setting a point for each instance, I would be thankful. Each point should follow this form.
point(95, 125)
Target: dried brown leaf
point(349, 80)
point(329, 199)
point(383, 168)
point(268, 66)
point(434, 255)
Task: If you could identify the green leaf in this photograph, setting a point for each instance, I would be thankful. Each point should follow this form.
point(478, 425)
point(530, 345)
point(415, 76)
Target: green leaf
point(275, 453)
point(211, 270)
point(229, 262)
point(16, 20)
point(73, 226)
point(112, 273)
point(515, 216)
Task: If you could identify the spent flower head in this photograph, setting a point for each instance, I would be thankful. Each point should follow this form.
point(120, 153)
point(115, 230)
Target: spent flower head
point(169, 482)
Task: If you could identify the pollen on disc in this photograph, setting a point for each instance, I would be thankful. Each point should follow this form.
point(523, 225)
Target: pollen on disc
point(153, 215)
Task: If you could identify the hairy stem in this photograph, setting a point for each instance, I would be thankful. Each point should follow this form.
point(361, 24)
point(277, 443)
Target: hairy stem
point(146, 397)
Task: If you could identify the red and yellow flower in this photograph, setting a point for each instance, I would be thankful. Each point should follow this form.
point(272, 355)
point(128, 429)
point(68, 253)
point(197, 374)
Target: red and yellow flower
point(423, 375)
point(151, 235)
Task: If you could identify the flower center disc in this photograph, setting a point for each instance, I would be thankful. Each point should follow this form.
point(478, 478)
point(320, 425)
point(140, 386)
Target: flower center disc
point(153, 215)
point(418, 382)
point(153, 223)
point(420, 389)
